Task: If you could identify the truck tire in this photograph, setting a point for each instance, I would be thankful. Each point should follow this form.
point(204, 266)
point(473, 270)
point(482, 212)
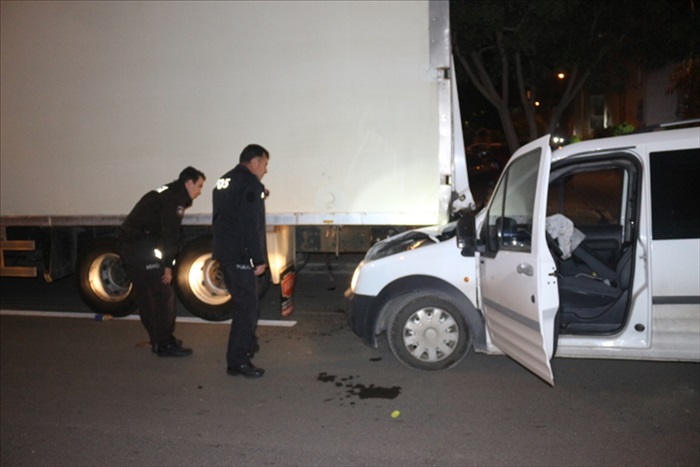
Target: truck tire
point(427, 332)
point(102, 281)
point(200, 282)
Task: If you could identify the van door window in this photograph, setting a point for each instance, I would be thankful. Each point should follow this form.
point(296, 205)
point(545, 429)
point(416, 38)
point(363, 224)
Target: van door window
point(509, 225)
point(593, 200)
point(588, 198)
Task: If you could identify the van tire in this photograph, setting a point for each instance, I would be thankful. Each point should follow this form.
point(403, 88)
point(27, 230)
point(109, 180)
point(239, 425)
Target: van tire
point(426, 331)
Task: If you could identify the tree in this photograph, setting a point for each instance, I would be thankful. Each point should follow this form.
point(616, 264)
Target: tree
point(685, 80)
point(511, 50)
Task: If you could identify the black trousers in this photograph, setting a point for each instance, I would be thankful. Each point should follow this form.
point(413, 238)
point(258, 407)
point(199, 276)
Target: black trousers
point(242, 284)
point(155, 300)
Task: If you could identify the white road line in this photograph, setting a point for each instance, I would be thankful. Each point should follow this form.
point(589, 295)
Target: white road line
point(96, 317)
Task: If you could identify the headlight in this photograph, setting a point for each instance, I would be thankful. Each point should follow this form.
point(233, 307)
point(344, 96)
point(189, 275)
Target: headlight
point(355, 277)
point(398, 244)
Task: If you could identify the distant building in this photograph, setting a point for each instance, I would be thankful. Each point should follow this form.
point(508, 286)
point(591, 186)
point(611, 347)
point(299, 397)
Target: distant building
point(644, 100)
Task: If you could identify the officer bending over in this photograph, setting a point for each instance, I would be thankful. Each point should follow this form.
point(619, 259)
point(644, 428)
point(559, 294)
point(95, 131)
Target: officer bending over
point(149, 241)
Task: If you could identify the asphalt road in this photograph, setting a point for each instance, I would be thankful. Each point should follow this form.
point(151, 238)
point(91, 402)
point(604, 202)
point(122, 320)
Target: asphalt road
point(81, 392)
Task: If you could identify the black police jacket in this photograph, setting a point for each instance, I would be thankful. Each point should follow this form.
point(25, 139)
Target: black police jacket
point(156, 220)
point(239, 218)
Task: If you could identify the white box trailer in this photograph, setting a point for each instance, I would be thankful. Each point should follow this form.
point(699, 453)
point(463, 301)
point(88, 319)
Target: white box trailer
point(103, 101)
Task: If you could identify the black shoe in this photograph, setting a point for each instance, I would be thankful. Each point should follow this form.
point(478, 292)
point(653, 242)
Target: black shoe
point(173, 339)
point(247, 370)
point(171, 350)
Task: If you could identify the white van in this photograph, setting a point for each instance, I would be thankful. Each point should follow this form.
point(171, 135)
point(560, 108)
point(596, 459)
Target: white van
point(589, 251)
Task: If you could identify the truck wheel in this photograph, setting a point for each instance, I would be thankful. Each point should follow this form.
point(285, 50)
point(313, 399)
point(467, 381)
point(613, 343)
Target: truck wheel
point(102, 281)
point(427, 332)
point(200, 282)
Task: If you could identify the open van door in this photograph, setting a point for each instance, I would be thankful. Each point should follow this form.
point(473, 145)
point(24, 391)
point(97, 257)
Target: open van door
point(517, 272)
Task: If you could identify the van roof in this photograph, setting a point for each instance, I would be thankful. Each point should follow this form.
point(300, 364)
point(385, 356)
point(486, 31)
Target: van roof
point(677, 139)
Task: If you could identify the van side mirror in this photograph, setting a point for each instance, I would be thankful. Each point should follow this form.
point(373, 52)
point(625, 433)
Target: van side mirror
point(466, 235)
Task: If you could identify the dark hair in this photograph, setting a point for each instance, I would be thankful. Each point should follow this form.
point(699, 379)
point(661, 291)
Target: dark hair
point(252, 151)
point(190, 173)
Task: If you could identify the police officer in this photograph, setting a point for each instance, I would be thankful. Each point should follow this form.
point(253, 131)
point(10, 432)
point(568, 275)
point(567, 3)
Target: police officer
point(149, 240)
point(240, 247)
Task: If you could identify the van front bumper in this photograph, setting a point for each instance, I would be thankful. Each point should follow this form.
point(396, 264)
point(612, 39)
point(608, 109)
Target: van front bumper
point(362, 317)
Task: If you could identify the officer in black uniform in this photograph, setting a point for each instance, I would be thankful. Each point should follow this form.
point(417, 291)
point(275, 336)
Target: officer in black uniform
point(240, 247)
point(149, 242)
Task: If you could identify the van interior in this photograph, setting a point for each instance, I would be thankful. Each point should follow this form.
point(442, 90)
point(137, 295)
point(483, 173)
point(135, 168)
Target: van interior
point(592, 212)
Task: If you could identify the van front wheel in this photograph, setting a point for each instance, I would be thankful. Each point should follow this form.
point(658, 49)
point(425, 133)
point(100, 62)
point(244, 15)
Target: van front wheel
point(427, 332)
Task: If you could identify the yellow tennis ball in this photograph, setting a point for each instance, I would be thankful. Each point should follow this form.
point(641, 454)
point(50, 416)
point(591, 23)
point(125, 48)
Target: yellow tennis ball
point(395, 414)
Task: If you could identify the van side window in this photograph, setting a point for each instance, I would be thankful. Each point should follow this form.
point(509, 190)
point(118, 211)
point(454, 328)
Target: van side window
point(509, 224)
point(675, 176)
